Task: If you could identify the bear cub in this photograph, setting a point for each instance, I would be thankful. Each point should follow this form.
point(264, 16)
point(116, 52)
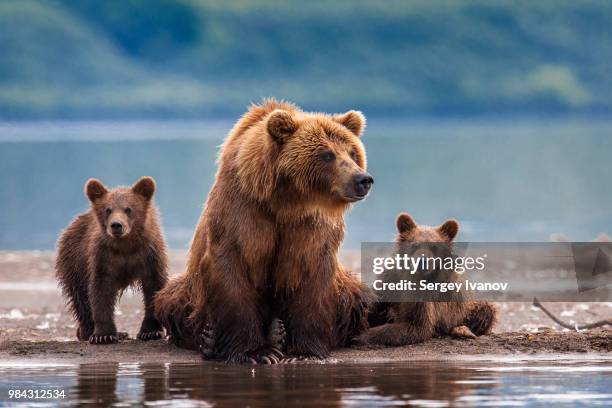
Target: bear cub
point(409, 322)
point(115, 244)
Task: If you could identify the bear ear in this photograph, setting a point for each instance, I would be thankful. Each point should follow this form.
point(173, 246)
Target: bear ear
point(281, 125)
point(145, 186)
point(94, 189)
point(405, 223)
point(353, 121)
point(449, 229)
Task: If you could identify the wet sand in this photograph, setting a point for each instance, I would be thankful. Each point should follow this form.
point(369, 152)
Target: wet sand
point(36, 325)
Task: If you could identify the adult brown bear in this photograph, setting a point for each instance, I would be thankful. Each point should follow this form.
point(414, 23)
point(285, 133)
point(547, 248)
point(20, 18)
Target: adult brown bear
point(266, 245)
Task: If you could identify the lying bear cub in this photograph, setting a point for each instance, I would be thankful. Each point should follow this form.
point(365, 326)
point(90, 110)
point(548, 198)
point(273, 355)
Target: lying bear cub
point(401, 323)
point(117, 243)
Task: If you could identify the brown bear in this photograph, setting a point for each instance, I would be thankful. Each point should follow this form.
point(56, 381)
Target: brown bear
point(266, 245)
point(117, 243)
point(401, 323)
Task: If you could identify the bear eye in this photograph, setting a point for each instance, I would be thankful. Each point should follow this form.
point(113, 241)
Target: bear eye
point(354, 155)
point(108, 211)
point(328, 156)
point(128, 211)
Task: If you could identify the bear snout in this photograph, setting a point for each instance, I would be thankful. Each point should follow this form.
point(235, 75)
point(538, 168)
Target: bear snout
point(116, 229)
point(362, 183)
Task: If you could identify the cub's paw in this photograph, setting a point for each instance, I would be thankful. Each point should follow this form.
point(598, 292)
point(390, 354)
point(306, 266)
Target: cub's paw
point(462, 332)
point(103, 338)
point(83, 333)
point(150, 329)
point(149, 335)
point(207, 343)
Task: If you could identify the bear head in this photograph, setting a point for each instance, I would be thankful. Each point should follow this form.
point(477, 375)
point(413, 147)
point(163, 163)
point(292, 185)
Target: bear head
point(312, 157)
point(424, 240)
point(122, 210)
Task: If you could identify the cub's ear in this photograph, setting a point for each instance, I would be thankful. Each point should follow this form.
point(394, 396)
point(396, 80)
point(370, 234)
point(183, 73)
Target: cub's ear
point(449, 229)
point(353, 121)
point(405, 223)
point(281, 125)
point(94, 189)
point(145, 186)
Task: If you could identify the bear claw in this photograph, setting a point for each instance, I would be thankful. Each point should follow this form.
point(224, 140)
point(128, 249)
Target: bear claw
point(149, 335)
point(265, 355)
point(297, 359)
point(106, 339)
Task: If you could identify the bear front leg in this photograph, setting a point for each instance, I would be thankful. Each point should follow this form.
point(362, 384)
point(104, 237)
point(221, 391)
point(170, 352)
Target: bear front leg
point(151, 328)
point(308, 323)
point(103, 296)
point(238, 333)
point(79, 299)
point(236, 311)
point(153, 281)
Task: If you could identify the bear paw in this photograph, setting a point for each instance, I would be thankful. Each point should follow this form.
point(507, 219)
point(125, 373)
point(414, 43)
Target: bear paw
point(265, 355)
point(149, 335)
point(103, 339)
point(462, 332)
point(299, 359)
point(277, 334)
point(83, 333)
point(207, 343)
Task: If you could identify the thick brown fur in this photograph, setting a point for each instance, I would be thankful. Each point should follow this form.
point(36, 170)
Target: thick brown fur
point(117, 243)
point(402, 323)
point(267, 241)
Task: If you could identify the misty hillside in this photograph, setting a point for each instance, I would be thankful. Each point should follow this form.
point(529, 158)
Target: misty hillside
point(164, 58)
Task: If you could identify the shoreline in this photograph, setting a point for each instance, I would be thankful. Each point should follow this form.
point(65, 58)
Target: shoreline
point(35, 325)
point(500, 347)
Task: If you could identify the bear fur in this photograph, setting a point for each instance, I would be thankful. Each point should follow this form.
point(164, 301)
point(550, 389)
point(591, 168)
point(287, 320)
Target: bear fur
point(401, 323)
point(115, 244)
point(266, 246)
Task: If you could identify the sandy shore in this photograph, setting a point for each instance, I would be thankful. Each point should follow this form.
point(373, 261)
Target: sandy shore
point(35, 325)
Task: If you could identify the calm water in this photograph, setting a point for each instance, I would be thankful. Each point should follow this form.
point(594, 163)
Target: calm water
point(505, 181)
point(425, 384)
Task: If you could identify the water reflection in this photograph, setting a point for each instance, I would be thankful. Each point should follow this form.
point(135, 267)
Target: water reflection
point(390, 384)
point(421, 384)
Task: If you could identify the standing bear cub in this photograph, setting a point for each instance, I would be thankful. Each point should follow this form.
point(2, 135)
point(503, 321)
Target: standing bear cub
point(266, 246)
point(116, 244)
point(409, 322)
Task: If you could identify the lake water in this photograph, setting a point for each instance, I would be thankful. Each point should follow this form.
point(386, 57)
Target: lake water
point(505, 181)
point(421, 384)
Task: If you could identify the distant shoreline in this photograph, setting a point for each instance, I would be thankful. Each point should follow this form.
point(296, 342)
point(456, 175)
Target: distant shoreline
point(216, 128)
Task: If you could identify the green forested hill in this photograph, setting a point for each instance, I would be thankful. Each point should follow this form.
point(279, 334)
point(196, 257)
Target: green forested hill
point(139, 58)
